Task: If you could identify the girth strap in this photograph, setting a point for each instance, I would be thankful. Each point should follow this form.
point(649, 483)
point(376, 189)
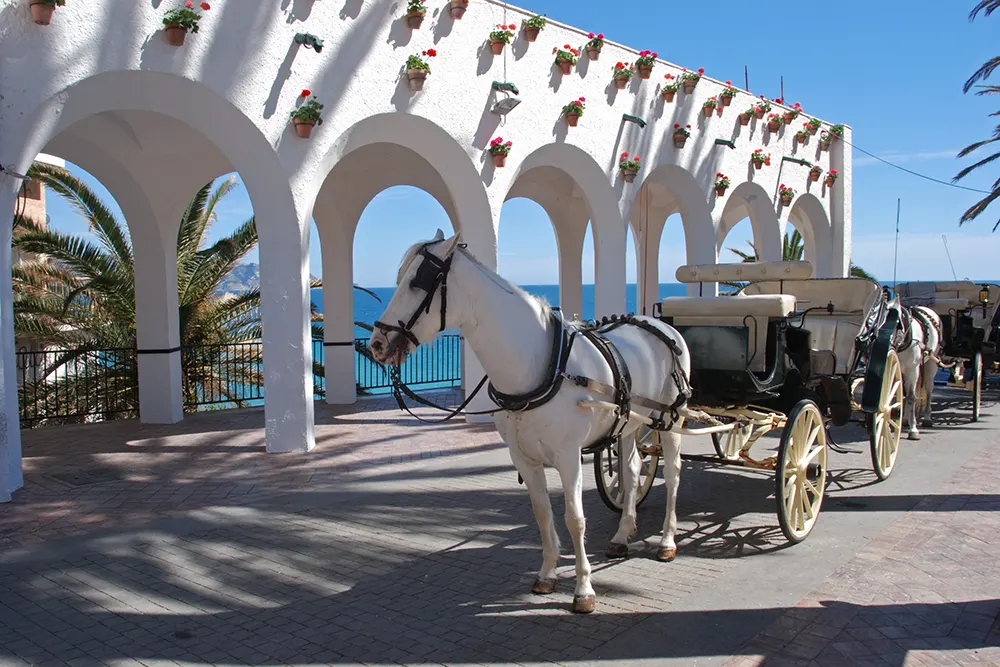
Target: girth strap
point(562, 345)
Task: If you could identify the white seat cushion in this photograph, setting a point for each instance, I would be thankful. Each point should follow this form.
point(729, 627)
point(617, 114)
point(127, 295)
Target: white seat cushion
point(761, 305)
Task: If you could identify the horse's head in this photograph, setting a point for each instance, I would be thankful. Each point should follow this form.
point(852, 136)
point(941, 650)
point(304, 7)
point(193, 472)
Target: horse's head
point(418, 308)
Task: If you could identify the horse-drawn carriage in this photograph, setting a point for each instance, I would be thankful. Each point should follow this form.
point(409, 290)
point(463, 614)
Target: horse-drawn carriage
point(970, 323)
point(787, 353)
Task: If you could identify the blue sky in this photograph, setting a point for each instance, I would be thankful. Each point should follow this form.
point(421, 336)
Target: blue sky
point(893, 70)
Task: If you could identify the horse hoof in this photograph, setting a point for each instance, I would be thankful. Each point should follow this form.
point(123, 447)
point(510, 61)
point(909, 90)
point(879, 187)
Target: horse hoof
point(666, 554)
point(543, 586)
point(584, 604)
point(912, 436)
point(616, 550)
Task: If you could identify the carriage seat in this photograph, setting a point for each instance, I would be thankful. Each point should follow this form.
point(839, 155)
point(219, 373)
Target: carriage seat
point(941, 306)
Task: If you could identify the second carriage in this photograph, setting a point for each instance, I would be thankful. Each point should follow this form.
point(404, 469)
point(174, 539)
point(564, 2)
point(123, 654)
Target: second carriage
point(788, 353)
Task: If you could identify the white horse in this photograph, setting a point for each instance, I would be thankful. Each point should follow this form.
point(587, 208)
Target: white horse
point(548, 417)
point(918, 344)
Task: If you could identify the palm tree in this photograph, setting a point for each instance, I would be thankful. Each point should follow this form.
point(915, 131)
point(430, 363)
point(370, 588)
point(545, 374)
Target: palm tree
point(79, 296)
point(987, 7)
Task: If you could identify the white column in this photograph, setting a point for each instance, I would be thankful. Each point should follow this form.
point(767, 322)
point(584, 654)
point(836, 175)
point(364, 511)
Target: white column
point(840, 204)
point(338, 313)
point(647, 260)
point(609, 267)
point(570, 229)
point(11, 477)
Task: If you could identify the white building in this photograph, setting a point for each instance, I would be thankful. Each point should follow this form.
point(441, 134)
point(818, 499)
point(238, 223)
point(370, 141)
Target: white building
point(100, 86)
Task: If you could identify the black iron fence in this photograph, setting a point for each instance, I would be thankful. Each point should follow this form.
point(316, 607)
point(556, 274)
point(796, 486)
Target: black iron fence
point(83, 385)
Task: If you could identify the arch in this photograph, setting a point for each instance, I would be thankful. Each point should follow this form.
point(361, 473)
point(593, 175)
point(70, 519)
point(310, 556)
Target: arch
point(809, 217)
point(572, 187)
point(436, 163)
point(750, 200)
point(281, 229)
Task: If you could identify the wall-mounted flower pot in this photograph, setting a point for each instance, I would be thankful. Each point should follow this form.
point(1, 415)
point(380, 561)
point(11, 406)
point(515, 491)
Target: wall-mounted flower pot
point(499, 160)
point(679, 139)
point(531, 34)
point(758, 113)
point(303, 128)
point(621, 82)
point(668, 95)
point(458, 10)
point(645, 71)
point(824, 145)
point(41, 12)
point(720, 190)
point(414, 20)
point(788, 117)
point(689, 86)
point(629, 175)
point(814, 176)
point(566, 66)
point(496, 46)
point(786, 200)
point(707, 111)
point(744, 119)
point(175, 35)
point(726, 101)
point(830, 181)
point(801, 138)
point(572, 119)
point(758, 164)
point(812, 129)
point(773, 125)
point(593, 52)
point(415, 79)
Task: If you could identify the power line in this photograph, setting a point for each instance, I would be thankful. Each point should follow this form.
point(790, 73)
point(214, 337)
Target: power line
point(910, 171)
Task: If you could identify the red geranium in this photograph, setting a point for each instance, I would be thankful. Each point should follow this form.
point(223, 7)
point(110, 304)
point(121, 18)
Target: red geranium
point(206, 6)
point(305, 92)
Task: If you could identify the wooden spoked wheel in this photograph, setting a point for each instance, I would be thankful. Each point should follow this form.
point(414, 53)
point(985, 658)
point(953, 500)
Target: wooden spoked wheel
point(606, 469)
point(800, 477)
point(977, 385)
point(885, 426)
point(728, 444)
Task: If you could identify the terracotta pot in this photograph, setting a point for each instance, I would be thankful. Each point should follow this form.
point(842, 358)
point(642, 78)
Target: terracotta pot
point(593, 52)
point(668, 95)
point(744, 119)
point(812, 129)
point(830, 181)
point(41, 13)
point(531, 34)
point(707, 111)
point(726, 100)
point(758, 113)
point(758, 164)
point(458, 10)
point(621, 82)
point(499, 160)
point(679, 139)
point(176, 35)
point(788, 117)
point(414, 19)
point(814, 176)
point(496, 46)
point(572, 119)
point(720, 190)
point(802, 138)
point(629, 175)
point(645, 71)
point(824, 145)
point(785, 200)
point(303, 128)
point(773, 125)
point(415, 79)
point(689, 86)
point(566, 66)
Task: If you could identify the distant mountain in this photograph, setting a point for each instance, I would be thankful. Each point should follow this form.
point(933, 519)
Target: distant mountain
point(243, 278)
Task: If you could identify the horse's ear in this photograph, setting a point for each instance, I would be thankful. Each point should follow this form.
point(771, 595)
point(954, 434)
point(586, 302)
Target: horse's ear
point(439, 236)
point(449, 245)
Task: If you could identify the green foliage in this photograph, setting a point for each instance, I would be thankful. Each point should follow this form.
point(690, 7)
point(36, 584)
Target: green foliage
point(182, 18)
point(309, 112)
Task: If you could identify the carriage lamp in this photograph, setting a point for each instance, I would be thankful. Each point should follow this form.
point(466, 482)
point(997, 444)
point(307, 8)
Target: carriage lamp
point(505, 105)
point(309, 40)
point(984, 297)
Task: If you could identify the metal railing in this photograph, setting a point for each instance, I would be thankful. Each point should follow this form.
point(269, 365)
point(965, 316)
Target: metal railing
point(225, 376)
point(437, 363)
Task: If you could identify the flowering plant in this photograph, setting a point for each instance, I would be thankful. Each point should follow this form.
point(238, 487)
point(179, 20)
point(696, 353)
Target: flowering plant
point(184, 17)
point(710, 103)
point(536, 21)
point(784, 191)
point(503, 33)
point(729, 90)
point(760, 156)
point(688, 75)
point(646, 59)
point(837, 131)
point(309, 112)
point(685, 130)
point(774, 118)
point(596, 41)
point(794, 112)
point(499, 147)
point(801, 135)
point(832, 175)
point(721, 180)
point(565, 54)
point(763, 106)
point(415, 7)
point(817, 169)
point(673, 84)
point(750, 110)
point(576, 106)
point(625, 163)
point(813, 123)
point(416, 62)
point(623, 70)
point(53, 3)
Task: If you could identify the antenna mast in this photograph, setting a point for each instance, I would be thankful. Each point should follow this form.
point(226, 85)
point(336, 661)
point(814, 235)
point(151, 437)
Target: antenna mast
point(895, 252)
point(947, 252)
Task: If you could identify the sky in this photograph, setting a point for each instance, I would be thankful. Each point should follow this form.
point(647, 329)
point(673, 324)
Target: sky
point(893, 70)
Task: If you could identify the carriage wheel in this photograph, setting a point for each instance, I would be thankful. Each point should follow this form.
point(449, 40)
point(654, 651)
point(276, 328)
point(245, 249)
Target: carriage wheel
point(606, 469)
point(800, 477)
point(885, 426)
point(977, 385)
point(728, 444)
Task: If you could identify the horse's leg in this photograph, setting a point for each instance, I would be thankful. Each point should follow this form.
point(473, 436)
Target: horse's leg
point(671, 443)
point(630, 483)
point(571, 473)
point(533, 475)
point(909, 360)
point(928, 372)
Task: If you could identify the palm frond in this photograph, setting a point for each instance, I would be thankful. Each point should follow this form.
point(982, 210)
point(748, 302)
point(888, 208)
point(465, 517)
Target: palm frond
point(987, 7)
point(977, 209)
point(982, 73)
point(976, 165)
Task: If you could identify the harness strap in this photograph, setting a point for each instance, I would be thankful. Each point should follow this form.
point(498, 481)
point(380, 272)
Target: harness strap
point(562, 345)
point(398, 386)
